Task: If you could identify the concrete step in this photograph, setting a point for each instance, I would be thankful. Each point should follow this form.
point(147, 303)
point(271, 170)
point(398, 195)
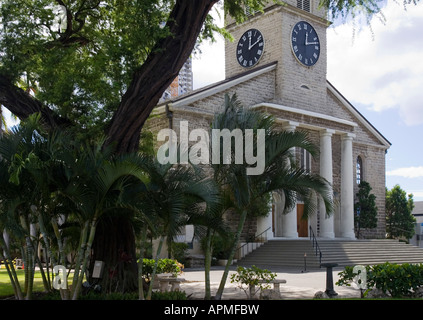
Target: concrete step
point(280, 253)
point(276, 253)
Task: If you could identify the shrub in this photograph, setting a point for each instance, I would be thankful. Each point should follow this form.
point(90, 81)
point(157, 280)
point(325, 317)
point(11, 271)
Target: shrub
point(398, 280)
point(252, 277)
point(163, 266)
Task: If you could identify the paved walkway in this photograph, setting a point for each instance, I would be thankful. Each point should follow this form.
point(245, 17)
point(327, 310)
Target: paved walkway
point(299, 285)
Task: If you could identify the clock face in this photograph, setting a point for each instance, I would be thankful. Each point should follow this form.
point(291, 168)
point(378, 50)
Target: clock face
point(305, 44)
point(250, 48)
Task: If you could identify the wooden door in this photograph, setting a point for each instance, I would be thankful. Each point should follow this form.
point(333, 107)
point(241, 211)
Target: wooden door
point(302, 225)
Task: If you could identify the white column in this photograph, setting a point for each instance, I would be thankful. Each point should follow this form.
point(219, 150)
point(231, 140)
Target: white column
point(289, 220)
point(326, 222)
point(347, 187)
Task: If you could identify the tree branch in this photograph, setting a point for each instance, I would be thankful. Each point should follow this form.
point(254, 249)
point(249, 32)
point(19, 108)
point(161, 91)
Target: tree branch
point(22, 104)
point(157, 73)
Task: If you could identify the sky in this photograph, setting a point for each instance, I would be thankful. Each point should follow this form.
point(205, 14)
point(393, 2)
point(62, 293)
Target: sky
point(378, 67)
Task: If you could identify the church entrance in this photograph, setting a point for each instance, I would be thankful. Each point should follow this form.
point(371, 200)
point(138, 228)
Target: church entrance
point(302, 224)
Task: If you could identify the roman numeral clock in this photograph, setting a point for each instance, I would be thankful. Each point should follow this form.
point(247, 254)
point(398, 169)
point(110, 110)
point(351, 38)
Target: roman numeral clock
point(305, 43)
point(250, 48)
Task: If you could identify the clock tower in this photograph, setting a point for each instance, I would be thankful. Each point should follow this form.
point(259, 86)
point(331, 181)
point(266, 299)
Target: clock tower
point(294, 35)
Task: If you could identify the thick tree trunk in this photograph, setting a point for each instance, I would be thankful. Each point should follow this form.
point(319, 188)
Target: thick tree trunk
point(157, 73)
point(114, 244)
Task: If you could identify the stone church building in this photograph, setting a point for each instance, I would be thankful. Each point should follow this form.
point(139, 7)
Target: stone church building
point(277, 63)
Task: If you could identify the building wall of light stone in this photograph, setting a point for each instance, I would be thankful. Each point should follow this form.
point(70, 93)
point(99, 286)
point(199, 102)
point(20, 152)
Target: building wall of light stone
point(200, 113)
point(299, 95)
point(276, 26)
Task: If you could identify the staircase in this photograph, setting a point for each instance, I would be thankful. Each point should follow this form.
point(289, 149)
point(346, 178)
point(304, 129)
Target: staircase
point(367, 252)
point(290, 253)
point(282, 253)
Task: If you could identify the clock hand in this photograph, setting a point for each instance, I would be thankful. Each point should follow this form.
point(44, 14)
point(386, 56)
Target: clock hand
point(253, 44)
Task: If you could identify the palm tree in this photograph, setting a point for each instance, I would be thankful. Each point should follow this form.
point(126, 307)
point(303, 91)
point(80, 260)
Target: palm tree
point(280, 174)
point(44, 174)
point(18, 192)
point(97, 181)
point(175, 195)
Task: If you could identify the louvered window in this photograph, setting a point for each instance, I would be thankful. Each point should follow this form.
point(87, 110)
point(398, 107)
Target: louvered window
point(303, 5)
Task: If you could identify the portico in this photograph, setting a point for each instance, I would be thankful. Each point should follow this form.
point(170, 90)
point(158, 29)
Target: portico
point(339, 224)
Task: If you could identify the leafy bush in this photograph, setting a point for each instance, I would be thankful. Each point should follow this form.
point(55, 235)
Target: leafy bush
point(398, 280)
point(179, 251)
point(252, 277)
point(163, 266)
point(221, 245)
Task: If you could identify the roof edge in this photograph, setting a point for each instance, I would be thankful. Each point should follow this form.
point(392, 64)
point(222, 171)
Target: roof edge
point(207, 91)
point(359, 116)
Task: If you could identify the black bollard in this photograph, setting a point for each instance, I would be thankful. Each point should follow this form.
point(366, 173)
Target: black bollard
point(329, 279)
point(305, 263)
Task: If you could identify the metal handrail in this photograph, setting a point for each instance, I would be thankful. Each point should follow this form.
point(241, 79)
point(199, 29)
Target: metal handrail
point(313, 240)
point(239, 250)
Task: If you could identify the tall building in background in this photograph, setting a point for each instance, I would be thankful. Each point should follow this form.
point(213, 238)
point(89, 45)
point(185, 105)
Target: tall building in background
point(182, 84)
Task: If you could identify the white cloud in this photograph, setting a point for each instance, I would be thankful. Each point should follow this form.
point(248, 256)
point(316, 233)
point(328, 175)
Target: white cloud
point(382, 71)
point(417, 195)
point(209, 65)
point(409, 172)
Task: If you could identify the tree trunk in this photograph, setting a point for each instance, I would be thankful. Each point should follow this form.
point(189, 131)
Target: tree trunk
point(114, 244)
point(153, 275)
point(207, 264)
point(231, 255)
point(141, 262)
point(157, 73)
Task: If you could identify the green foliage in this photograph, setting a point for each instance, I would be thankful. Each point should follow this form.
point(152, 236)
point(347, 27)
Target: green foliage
point(397, 280)
point(163, 266)
point(399, 219)
point(179, 251)
point(365, 208)
point(220, 245)
point(252, 277)
point(83, 69)
point(351, 8)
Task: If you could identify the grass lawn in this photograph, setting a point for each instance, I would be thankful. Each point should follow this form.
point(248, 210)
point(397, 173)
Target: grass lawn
point(6, 288)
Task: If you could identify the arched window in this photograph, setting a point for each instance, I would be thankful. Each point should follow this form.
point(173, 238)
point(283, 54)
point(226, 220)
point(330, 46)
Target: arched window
point(359, 170)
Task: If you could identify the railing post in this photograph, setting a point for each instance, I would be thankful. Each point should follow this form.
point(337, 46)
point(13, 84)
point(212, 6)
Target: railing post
point(314, 240)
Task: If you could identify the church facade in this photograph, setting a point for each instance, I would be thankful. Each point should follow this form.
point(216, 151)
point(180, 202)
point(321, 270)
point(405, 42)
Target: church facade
point(277, 64)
